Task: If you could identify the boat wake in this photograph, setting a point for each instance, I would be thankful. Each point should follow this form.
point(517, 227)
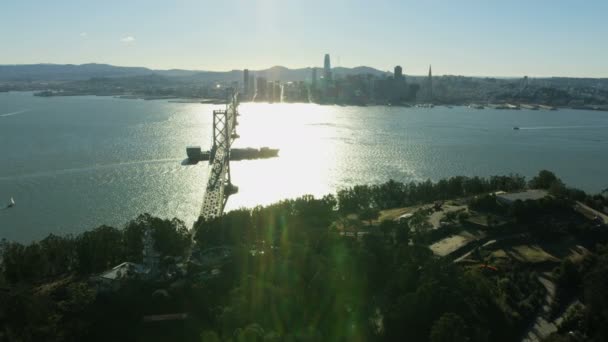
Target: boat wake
point(89, 168)
point(14, 113)
point(559, 127)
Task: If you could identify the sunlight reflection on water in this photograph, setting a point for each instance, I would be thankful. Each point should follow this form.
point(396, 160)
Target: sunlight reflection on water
point(77, 162)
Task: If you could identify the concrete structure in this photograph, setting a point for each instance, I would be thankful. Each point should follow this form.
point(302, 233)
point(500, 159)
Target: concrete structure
point(111, 280)
point(150, 255)
point(404, 217)
point(122, 271)
point(510, 198)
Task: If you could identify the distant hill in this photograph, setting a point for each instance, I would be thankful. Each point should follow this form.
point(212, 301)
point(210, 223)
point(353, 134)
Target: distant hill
point(72, 72)
point(67, 72)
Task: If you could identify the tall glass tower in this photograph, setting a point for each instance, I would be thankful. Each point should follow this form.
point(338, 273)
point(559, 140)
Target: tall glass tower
point(327, 68)
point(246, 82)
point(430, 85)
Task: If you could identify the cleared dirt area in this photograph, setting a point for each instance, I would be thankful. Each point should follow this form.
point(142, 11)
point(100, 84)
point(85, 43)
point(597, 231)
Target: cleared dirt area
point(530, 254)
point(393, 214)
point(455, 242)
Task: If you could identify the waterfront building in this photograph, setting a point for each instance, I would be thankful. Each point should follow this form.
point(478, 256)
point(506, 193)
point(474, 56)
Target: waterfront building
point(398, 74)
point(251, 86)
point(524, 83)
point(273, 91)
point(278, 92)
point(294, 92)
point(327, 68)
point(246, 83)
point(261, 89)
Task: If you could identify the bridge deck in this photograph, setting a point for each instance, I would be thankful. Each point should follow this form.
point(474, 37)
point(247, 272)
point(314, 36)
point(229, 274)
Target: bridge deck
point(213, 202)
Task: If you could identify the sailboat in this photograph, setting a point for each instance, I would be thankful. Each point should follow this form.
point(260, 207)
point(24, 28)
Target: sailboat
point(11, 203)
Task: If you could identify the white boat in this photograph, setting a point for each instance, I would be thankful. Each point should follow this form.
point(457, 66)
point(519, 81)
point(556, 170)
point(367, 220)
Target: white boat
point(11, 203)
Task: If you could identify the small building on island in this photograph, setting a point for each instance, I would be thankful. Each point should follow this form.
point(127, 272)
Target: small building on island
point(112, 279)
point(510, 198)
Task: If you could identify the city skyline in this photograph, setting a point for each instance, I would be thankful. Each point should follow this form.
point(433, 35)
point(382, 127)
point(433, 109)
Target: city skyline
point(544, 38)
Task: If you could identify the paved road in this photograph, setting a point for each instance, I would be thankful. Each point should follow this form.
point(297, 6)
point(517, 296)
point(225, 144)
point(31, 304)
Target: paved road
point(592, 211)
point(542, 327)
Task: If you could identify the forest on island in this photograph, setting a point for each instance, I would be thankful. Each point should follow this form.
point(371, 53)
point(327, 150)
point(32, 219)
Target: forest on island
point(295, 275)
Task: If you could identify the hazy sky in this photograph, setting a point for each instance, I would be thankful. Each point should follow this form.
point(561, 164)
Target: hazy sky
point(466, 37)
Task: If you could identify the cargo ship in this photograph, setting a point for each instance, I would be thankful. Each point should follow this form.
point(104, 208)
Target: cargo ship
point(195, 153)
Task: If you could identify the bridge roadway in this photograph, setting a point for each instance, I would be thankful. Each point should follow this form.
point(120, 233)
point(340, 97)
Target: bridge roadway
point(219, 186)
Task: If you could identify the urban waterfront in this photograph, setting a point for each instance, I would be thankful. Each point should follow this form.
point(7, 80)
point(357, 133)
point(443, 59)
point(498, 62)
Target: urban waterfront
point(79, 162)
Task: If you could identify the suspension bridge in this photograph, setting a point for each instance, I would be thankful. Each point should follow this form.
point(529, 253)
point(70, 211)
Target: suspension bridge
point(219, 186)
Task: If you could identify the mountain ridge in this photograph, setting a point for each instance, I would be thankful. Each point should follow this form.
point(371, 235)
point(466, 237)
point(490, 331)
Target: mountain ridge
point(73, 72)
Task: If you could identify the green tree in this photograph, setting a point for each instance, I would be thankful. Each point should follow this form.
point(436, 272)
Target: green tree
point(388, 228)
point(543, 180)
point(558, 188)
point(13, 267)
point(251, 333)
point(59, 253)
point(210, 336)
point(132, 238)
point(596, 297)
point(403, 233)
point(449, 328)
point(98, 249)
point(369, 214)
point(170, 237)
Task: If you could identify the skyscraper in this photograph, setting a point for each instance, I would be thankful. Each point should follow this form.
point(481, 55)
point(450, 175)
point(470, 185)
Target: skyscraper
point(327, 68)
point(246, 82)
point(430, 84)
point(251, 86)
point(261, 90)
point(398, 73)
